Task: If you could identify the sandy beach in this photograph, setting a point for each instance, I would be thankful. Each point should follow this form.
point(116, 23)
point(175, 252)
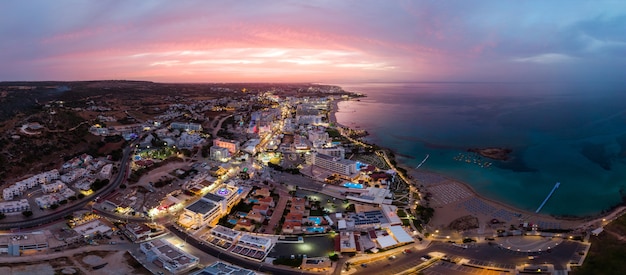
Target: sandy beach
point(453, 199)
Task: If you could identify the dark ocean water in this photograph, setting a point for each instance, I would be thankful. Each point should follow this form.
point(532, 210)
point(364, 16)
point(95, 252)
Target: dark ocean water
point(569, 133)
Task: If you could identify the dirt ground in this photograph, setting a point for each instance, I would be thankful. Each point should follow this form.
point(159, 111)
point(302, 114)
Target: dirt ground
point(117, 262)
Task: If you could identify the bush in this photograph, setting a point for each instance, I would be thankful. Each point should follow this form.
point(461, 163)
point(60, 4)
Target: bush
point(98, 184)
point(80, 196)
point(334, 257)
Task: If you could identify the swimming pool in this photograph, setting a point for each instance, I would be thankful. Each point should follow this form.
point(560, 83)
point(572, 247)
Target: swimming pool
point(353, 185)
point(315, 229)
point(232, 221)
point(316, 220)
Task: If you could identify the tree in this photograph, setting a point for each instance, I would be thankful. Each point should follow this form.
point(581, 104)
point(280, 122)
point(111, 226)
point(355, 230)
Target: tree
point(2, 216)
point(27, 213)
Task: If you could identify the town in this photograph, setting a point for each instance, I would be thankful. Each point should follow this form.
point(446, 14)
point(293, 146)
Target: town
point(264, 180)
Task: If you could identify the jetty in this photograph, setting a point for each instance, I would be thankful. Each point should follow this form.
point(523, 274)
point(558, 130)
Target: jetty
point(424, 160)
point(548, 197)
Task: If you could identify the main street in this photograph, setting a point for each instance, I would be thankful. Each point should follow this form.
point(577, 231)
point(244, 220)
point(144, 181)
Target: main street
point(63, 212)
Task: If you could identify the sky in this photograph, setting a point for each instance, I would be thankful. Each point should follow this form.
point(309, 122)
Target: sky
point(330, 41)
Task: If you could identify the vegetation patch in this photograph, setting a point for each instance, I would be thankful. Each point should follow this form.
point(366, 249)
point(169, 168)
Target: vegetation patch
point(608, 251)
point(464, 223)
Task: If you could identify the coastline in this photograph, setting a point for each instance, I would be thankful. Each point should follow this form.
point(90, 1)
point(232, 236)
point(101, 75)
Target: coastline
point(452, 210)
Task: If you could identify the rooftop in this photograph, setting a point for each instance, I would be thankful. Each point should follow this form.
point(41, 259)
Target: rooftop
point(255, 240)
point(201, 207)
point(213, 197)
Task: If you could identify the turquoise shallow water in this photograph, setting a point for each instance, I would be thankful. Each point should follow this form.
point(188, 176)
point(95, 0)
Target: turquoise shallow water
point(573, 134)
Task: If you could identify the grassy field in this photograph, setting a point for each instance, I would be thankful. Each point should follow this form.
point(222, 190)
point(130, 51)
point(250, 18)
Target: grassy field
point(608, 251)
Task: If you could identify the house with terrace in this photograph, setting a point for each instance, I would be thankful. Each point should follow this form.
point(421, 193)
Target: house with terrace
point(253, 247)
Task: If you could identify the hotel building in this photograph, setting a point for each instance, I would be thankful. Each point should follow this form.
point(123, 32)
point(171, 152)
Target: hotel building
point(343, 167)
point(231, 145)
point(212, 206)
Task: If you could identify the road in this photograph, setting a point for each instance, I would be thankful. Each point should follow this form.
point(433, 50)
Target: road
point(225, 256)
point(61, 213)
point(489, 256)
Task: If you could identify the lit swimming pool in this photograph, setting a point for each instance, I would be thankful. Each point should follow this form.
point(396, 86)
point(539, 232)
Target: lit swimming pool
point(232, 221)
point(353, 185)
point(316, 220)
point(315, 229)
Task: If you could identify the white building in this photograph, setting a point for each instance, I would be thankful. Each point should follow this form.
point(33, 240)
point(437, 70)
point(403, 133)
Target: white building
point(14, 206)
point(46, 201)
point(300, 143)
point(335, 151)
point(253, 247)
point(344, 167)
point(211, 206)
point(186, 126)
point(221, 268)
point(259, 243)
point(74, 174)
point(53, 186)
point(105, 173)
point(219, 153)
point(319, 136)
point(172, 258)
point(198, 214)
point(347, 242)
point(372, 195)
point(19, 187)
point(225, 233)
point(189, 141)
point(391, 213)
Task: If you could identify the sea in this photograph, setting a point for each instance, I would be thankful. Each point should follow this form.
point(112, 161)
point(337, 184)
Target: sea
point(572, 133)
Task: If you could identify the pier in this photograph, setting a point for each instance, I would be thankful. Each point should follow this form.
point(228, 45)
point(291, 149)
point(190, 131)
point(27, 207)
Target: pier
point(424, 160)
point(548, 197)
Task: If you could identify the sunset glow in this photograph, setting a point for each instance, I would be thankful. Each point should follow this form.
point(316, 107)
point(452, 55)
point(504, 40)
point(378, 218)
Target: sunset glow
point(189, 41)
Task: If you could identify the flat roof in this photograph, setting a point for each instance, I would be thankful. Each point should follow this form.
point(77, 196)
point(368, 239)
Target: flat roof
point(213, 197)
point(220, 268)
point(255, 240)
point(386, 241)
point(201, 207)
point(400, 235)
point(336, 159)
point(225, 231)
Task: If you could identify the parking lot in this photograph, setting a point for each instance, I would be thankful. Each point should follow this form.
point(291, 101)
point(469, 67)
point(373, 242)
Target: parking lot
point(483, 258)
